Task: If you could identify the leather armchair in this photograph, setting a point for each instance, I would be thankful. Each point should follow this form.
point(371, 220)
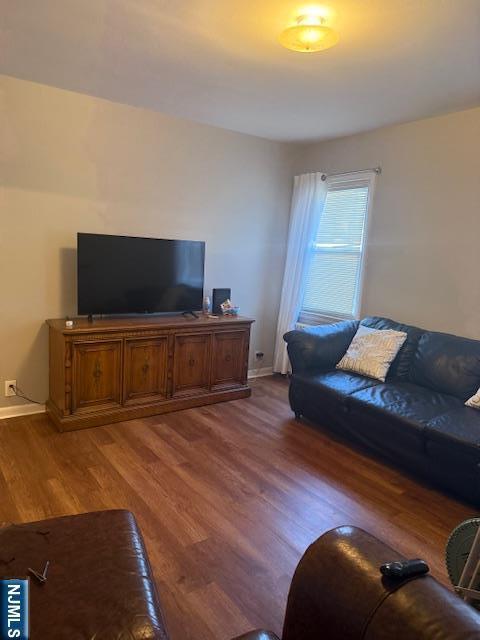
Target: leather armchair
point(338, 593)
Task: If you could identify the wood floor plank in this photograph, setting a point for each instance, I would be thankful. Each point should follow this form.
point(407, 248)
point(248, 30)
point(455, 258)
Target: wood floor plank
point(228, 497)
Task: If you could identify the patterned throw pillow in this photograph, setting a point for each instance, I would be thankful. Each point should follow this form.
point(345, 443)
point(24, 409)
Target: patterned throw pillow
point(372, 351)
point(474, 401)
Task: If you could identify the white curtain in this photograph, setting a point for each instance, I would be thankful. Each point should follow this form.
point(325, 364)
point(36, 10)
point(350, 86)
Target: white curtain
point(308, 200)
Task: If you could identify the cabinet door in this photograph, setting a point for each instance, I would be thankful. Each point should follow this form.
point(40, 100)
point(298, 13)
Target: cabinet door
point(146, 362)
point(229, 359)
point(191, 364)
point(97, 375)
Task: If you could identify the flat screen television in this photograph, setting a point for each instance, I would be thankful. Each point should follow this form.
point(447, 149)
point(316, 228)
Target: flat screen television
point(120, 275)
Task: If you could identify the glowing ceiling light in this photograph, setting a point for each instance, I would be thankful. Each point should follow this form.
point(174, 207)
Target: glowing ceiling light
point(308, 35)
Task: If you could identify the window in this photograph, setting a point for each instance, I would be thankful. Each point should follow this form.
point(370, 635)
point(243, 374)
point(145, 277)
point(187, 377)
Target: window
point(333, 284)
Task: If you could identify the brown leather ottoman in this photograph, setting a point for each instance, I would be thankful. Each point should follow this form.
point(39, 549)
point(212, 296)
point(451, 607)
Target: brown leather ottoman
point(99, 582)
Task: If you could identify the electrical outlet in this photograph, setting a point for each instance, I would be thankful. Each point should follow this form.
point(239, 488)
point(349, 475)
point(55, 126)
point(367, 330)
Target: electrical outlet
point(8, 391)
point(259, 355)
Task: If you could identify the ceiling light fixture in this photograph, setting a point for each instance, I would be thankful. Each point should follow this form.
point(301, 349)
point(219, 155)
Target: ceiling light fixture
point(309, 35)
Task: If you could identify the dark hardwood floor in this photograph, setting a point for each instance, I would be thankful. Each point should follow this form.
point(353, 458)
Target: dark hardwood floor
point(228, 496)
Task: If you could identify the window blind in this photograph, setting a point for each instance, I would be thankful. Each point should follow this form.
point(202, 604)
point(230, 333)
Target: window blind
point(333, 279)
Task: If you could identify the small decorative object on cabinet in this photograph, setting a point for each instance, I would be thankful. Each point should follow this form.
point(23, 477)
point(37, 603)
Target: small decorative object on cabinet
point(117, 369)
point(219, 296)
point(229, 309)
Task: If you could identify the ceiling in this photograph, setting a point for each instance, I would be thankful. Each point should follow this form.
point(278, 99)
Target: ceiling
point(219, 61)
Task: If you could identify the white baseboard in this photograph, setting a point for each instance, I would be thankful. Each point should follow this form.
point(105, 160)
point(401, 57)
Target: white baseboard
point(21, 410)
point(260, 373)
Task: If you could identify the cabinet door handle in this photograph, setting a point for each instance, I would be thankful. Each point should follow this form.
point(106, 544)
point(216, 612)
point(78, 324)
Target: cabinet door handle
point(228, 357)
point(97, 372)
point(191, 362)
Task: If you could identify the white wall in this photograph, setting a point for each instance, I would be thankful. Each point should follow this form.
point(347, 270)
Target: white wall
point(423, 260)
point(70, 162)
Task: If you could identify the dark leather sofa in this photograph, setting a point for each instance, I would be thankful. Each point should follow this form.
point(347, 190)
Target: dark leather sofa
point(416, 418)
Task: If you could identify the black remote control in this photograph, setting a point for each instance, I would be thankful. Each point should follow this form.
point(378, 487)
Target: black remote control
point(405, 568)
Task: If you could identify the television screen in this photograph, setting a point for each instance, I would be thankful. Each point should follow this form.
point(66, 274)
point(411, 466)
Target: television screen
point(122, 275)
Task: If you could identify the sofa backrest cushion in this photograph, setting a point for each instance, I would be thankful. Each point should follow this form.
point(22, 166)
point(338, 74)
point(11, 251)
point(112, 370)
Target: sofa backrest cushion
point(448, 364)
point(400, 367)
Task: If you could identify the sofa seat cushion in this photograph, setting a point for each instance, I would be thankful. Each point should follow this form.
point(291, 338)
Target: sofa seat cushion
point(337, 383)
point(394, 415)
point(447, 364)
point(455, 436)
point(411, 400)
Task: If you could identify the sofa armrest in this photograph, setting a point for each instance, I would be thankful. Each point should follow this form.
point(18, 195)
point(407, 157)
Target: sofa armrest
point(319, 347)
point(258, 634)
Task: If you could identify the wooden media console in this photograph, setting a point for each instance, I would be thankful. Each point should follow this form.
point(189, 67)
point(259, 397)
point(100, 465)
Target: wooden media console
point(114, 369)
